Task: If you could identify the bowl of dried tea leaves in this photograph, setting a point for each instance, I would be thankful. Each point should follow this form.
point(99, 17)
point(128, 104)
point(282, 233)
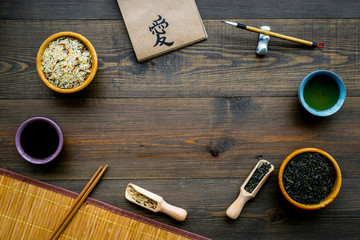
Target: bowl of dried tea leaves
point(309, 178)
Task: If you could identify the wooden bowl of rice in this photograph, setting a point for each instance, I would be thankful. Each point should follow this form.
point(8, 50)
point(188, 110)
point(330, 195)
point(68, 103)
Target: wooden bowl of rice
point(66, 62)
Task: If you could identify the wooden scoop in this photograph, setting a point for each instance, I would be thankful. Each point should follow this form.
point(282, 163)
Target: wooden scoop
point(153, 202)
point(235, 208)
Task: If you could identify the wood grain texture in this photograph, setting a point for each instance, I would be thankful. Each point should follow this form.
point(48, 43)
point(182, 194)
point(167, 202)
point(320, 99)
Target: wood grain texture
point(179, 138)
point(190, 125)
point(267, 216)
point(224, 65)
point(93, 9)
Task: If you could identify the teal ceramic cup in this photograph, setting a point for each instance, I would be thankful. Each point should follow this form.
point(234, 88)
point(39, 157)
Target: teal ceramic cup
point(322, 93)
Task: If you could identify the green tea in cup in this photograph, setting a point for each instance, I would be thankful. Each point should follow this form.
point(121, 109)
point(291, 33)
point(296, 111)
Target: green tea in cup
point(322, 93)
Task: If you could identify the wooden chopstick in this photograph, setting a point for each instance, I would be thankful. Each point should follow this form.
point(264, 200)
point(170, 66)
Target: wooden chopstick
point(78, 202)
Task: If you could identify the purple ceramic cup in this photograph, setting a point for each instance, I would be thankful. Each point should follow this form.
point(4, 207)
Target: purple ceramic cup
point(30, 158)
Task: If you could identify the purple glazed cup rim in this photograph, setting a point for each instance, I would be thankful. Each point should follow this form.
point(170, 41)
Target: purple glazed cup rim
point(27, 157)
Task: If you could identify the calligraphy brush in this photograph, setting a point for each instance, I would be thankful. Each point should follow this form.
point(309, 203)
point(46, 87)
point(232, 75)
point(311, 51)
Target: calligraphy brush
point(277, 35)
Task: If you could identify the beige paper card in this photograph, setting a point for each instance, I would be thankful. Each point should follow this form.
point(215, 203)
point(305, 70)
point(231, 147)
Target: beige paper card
point(156, 27)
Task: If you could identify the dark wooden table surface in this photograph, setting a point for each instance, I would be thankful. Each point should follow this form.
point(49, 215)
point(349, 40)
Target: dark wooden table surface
point(191, 124)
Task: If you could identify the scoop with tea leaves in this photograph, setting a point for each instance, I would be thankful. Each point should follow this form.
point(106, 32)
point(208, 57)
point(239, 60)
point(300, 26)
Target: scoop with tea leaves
point(256, 177)
point(250, 187)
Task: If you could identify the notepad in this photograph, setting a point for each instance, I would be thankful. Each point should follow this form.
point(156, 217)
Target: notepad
point(161, 26)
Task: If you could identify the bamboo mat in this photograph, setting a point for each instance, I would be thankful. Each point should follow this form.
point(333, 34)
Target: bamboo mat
point(30, 209)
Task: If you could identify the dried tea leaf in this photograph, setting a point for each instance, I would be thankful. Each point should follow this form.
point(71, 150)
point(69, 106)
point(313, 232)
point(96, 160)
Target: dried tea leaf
point(309, 178)
point(257, 176)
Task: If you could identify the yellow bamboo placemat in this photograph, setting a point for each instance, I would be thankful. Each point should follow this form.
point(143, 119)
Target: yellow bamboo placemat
point(30, 209)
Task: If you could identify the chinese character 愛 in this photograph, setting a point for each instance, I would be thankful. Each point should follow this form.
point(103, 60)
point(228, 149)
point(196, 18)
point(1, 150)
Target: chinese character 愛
point(158, 29)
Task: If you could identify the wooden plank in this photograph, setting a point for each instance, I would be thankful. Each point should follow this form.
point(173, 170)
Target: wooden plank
point(268, 214)
point(179, 137)
point(222, 66)
point(108, 9)
point(190, 125)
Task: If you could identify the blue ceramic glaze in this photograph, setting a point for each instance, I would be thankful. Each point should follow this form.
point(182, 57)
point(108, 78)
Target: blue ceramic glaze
point(333, 109)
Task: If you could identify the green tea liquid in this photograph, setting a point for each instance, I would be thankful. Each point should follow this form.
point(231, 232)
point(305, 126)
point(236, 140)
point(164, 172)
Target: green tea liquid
point(321, 93)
